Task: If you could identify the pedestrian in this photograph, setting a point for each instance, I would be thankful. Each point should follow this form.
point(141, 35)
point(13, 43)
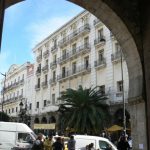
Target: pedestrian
point(38, 144)
point(48, 143)
point(71, 143)
point(58, 145)
point(123, 144)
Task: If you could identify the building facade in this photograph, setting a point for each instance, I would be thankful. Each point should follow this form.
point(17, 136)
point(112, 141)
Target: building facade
point(82, 52)
point(17, 89)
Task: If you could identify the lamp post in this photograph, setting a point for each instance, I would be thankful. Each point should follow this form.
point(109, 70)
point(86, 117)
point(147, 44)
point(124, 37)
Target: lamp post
point(3, 89)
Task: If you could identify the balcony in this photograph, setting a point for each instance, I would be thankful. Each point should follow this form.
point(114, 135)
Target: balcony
point(22, 82)
point(39, 58)
point(80, 50)
point(100, 63)
point(70, 74)
point(100, 41)
point(63, 58)
point(45, 68)
point(54, 49)
point(37, 87)
point(38, 72)
point(97, 23)
point(52, 81)
point(53, 64)
point(73, 36)
point(45, 84)
point(116, 57)
point(46, 54)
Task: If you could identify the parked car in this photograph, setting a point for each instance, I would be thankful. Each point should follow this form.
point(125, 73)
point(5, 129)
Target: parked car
point(99, 142)
point(15, 136)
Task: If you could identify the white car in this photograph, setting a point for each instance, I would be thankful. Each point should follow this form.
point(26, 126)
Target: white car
point(99, 142)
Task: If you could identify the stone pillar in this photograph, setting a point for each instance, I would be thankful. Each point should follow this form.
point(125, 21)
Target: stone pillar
point(138, 124)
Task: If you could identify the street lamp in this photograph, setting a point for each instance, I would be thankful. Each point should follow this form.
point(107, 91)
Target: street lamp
point(3, 89)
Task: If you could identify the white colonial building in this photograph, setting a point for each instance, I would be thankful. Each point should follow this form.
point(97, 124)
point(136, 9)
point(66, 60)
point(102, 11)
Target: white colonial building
point(17, 88)
point(82, 52)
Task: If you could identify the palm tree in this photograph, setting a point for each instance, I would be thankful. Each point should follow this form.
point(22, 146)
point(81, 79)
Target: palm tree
point(84, 110)
point(4, 116)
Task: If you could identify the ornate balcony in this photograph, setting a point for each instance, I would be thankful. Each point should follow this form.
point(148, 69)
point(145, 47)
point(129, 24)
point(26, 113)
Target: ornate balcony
point(100, 41)
point(53, 64)
point(100, 63)
point(97, 23)
point(116, 57)
point(45, 68)
point(63, 58)
point(46, 54)
point(45, 84)
point(39, 58)
point(38, 72)
point(54, 48)
point(37, 87)
point(52, 81)
point(80, 70)
point(73, 36)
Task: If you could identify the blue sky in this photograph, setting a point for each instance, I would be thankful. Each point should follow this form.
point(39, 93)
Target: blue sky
point(29, 22)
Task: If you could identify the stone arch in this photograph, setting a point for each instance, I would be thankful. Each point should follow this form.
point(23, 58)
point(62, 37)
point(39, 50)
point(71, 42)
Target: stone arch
point(118, 117)
point(102, 11)
point(52, 119)
point(44, 120)
point(36, 120)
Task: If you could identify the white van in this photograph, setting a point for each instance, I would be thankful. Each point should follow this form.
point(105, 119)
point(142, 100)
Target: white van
point(15, 136)
point(100, 143)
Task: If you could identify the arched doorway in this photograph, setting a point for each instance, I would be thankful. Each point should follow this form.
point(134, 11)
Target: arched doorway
point(36, 120)
point(126, 39)
point(44, 120)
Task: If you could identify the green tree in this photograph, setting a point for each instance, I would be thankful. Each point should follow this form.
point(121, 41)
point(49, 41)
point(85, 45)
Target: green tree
point(84, 110)
point(4, 117)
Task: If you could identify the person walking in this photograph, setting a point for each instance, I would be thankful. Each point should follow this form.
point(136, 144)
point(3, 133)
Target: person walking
point(38, 144)
point(48, 143)
point(71, 143)
point(58, 145)
point(123, 144)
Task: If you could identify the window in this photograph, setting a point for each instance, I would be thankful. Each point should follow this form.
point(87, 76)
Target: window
point(74, 46)
point(16, 109)
point(119, 86)
point(37, 104)
point(46, 62)
point(30, 106)
point(45, 102)
point(86, 62)
point(86, 41)
point(12, 110)
point(55, 42)
point(6, 111)
point(100, 34)
point(54, 75)
point(45, 78)
point(17, 93)
point(53, 99)
point(23, 76)
point(24, 138)
point(9, 111)
point(18, 79)
point(101, 55)
point(103, 145)
point(63, 72)
point(38, 85)
point(55, 58)
point(21, 92)
point(102, 89)
point(117, 47)
point(74, 67)
point(64, 54)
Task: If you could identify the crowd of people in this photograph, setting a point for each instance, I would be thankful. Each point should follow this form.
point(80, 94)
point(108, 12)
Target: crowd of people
point(49, 144)
point(59, 144)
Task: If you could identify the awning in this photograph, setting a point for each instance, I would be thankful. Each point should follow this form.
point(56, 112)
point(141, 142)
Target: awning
point(115, 128)
point(45, 126)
